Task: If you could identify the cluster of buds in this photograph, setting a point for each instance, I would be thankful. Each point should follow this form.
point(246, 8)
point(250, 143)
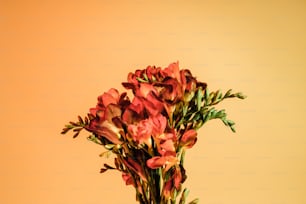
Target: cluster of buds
point(150, 133)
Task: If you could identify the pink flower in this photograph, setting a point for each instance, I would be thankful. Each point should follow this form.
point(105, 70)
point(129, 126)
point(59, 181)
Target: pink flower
point(189, 138)
point(159, 124)
point(166, 146)
point(141, 132)
point(128, 179)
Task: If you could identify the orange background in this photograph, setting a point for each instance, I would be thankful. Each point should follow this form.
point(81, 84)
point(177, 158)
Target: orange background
point(56, 57)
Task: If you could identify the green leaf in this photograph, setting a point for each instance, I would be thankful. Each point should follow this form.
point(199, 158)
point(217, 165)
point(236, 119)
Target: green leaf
point(228, 93)
point(184, 196)
point(109, 146)
point(94, 139)
point(140, 79)
point(195, 201)
point(146, 77)
point(106, 154)
point(240, 95)
point(199, 98)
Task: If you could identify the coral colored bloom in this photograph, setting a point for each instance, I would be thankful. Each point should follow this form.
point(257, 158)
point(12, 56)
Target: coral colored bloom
point(159, 161)
point(166, 146)
point(159, 124)
point(145, 89)
point(172, 90)
point(189, 138)
point(152, 104)
point(127, 178)
point(141, 132)
point(106, 129)
point(110, 97)
point(172, 71)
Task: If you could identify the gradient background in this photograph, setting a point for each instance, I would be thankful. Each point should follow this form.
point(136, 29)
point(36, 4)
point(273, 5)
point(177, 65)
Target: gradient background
point(56, 57)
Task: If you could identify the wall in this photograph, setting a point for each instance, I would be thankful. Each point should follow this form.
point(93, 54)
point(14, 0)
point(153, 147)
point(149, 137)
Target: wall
point(56, 57)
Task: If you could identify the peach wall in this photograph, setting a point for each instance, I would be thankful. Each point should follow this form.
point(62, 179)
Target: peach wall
point(56, 57)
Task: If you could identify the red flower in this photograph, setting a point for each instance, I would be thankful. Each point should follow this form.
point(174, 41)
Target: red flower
point(110, 97)
point(171, 90)
point(145, 89)
point(106, 129)
point(189, 138)
point(172, 71)
point(134, 112)
point(153, 73)
point(128, 179)
point(152, 104)
point(134, 166)
point(168, 186)
point(166, 146)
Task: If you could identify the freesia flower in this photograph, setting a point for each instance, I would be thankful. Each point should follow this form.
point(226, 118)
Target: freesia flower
point(128, 179)
point(142, 131)
point(189, 138)
point(159, 123)
point(135, 167)
point(167, 161)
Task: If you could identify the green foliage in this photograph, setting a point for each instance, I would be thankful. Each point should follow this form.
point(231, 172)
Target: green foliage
point(201, 109)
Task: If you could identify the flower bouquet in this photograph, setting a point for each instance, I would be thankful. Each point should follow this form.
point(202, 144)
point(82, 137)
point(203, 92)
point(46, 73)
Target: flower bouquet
point(149, 134)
